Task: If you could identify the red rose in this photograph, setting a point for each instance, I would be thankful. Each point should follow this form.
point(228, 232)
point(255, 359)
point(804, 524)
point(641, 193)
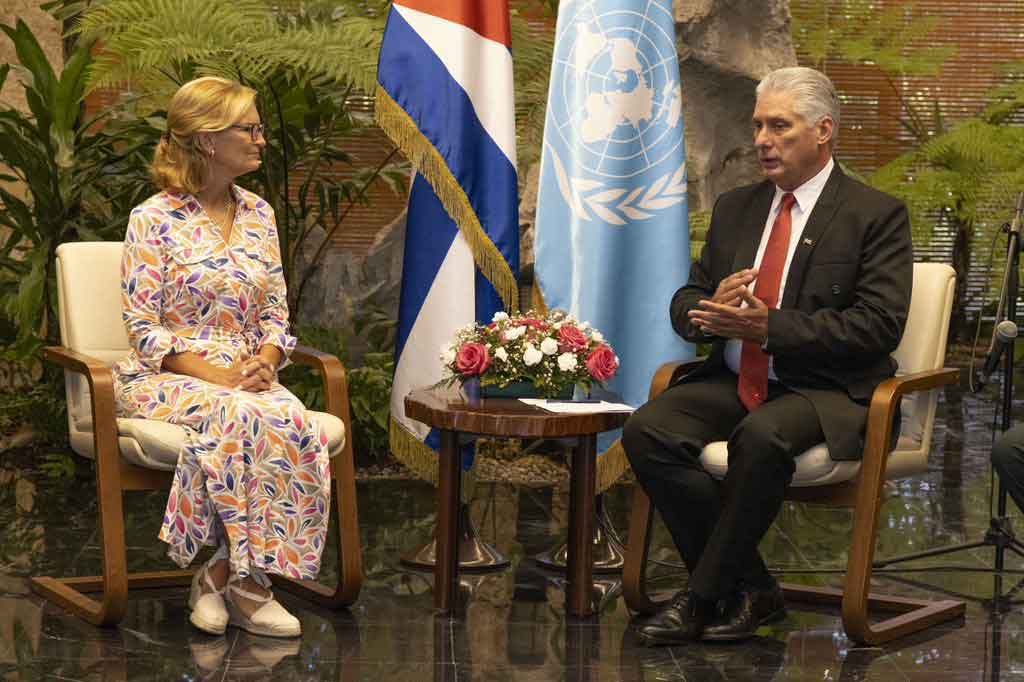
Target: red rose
point(602, 363)
point(534, 323)
point(473, 360)
point(570, 338)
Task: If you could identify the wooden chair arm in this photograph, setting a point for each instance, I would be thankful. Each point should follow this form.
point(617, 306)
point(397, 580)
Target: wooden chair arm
point(335, 380)
point(101, 388)
point(350, 558)
point(104, 420)
point(669, 372)
point(886, 399)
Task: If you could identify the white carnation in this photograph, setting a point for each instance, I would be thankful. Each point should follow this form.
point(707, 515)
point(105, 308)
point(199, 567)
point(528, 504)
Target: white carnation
point(567, 362)
point(597, 336)
point(532, 356)
point(549, 346)
point(514, 333)
point(499, 316)
point(501, 354)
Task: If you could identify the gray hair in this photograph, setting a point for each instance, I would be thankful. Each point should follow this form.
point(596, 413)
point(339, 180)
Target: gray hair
point(814, 95)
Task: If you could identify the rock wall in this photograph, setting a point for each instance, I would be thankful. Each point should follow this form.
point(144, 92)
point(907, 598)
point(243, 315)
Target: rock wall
point(47, 31)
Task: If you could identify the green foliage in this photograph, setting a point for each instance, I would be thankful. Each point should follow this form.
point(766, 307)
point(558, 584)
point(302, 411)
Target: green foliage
point(157, 45)
point(532, 48)
point(80, 180)
point(312, 65)
point(40, 405)
point(860, 32)
point(958, 178)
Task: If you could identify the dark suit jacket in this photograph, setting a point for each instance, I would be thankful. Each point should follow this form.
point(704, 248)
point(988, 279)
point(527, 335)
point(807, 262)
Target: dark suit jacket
point(845, 302)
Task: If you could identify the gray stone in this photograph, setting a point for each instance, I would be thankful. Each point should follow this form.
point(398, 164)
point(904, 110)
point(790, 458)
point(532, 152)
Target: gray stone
point(725, 48)
point(345, 286)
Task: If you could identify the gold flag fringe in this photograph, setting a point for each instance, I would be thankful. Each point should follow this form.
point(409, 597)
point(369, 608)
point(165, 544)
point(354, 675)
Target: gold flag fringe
point(412, 452)
point(406, 135)
point(425, 158)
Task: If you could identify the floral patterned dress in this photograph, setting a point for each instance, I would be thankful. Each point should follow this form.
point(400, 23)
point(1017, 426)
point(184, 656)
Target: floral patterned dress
point(254, 470)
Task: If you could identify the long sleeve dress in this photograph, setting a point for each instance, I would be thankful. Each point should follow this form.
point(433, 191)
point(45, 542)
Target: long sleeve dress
point(254, 470)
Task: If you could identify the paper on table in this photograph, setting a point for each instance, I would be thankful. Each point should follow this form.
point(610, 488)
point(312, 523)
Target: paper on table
point(577, 407)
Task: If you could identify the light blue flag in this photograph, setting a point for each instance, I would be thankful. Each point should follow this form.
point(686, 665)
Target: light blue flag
point(612, 236)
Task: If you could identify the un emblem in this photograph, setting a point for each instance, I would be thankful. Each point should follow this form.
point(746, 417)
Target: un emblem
point(615, 111)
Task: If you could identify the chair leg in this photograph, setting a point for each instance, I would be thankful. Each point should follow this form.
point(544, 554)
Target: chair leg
point(634, 569)
point(913, 615)
point(110, 501)
point(346, 518)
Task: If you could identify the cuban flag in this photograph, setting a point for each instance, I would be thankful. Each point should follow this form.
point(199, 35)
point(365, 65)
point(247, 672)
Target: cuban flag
point(445, 97)
point(612, 237)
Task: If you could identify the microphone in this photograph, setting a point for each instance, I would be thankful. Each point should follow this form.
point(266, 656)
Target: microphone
point(1015, 224)
point(1004, 333)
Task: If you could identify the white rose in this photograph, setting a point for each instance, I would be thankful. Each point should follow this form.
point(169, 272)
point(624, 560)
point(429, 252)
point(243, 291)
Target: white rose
point(447, 354)
point(549, 346)
point(499, 316)
point(567, 362)
point(532, 356)
point(514, 333)
point(597, 336)
point(501, 354)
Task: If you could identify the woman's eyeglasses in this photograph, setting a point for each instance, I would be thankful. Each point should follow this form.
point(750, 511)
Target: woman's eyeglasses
point(256, 130)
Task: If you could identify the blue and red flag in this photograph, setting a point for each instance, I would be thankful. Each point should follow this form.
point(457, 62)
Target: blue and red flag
point(445, 97)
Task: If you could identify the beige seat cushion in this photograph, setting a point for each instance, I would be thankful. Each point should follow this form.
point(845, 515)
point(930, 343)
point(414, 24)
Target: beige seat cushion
point(813, 467)
point(155, 444)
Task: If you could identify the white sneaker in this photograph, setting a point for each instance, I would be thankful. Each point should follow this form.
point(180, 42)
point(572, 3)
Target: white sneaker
point(270, 620)
point(208, 611)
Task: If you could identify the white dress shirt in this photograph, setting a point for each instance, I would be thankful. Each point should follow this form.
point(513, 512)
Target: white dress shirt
point(806, 196)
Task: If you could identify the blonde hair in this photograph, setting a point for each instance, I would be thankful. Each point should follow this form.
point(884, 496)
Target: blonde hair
point(203, 105)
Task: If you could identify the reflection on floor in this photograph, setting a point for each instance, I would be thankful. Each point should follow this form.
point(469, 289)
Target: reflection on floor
point(511, 625)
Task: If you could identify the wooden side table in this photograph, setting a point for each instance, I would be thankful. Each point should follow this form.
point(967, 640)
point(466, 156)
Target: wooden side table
point(452, 415)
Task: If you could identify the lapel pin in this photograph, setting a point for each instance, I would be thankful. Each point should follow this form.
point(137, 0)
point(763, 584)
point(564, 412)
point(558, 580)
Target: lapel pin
point(809, 242)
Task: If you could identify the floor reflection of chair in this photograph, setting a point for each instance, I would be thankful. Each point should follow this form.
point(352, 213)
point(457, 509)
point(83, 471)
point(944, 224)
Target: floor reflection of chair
point(139, 454)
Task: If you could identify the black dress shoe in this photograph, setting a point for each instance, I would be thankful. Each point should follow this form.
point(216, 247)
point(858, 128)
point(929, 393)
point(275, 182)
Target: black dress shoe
point(746, 612)
point(681, 620)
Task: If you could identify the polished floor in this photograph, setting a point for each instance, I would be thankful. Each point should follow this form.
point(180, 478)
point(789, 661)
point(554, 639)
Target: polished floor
point(511, 625)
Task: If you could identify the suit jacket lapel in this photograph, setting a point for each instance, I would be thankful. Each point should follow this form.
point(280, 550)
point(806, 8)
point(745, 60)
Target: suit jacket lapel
point(817, 223)
point(750, 237)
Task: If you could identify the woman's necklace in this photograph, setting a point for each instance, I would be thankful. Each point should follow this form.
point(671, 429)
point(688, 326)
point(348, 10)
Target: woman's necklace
point(224, 216)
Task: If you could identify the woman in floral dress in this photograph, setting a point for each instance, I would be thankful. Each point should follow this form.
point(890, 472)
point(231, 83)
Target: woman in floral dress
point(206, 311)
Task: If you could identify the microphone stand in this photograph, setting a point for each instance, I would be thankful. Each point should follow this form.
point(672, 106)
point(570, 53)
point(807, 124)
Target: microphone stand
point(1000, 533)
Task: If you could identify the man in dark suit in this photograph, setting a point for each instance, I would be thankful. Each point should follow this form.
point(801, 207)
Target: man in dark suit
point(802, 289)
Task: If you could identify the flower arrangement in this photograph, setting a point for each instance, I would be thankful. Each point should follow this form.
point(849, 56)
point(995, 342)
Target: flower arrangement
point(553, 352)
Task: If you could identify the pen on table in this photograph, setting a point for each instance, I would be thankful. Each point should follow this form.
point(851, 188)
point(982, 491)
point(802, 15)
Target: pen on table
point(588, 400)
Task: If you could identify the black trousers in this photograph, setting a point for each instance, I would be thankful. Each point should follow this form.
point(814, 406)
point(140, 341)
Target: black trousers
point(1008, 460)
point(716, 526)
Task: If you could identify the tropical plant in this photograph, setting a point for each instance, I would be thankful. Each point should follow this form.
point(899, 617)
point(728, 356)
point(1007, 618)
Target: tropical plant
point(69, 179)
point(955, 176)
point(311, 65)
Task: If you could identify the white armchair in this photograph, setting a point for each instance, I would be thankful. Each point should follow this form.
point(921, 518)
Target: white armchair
point(858, 484)
point(141, 454)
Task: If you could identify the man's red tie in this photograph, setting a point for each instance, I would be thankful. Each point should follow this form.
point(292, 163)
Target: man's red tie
point(753, 382)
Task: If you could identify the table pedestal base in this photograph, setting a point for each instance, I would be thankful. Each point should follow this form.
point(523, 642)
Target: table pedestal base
point(473, 553)
point(609, 555)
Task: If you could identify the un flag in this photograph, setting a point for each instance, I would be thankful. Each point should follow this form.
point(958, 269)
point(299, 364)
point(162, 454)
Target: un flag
point(612, 242)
